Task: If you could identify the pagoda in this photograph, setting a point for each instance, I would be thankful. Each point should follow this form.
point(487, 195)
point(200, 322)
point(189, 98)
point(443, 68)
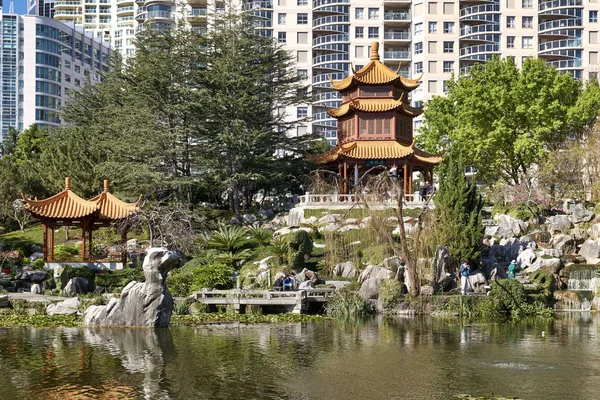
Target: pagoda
point(375, 126)
point(68, 209)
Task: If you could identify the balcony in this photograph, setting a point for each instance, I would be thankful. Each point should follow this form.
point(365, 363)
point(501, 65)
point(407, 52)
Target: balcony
point(477, 29)
point(396, 55)
point(481, 9)
point(560, 24)
point(396, 35)
point(69, 4)
point(258, 5)
point(124, 10)
point(197, 13)
point(565, 64)
point(66, 13)
point(481, 49)
point(331, 58)
point(321, 40)
point(336, 19)
point(396, 16)
point(559, 44)
point(159, 14)
point(321, 3)
point(549, 5)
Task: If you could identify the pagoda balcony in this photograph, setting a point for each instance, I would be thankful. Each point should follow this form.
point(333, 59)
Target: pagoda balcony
point(337, 201)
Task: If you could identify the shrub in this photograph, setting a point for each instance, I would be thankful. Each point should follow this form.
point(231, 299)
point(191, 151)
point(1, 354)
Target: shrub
point(66, 251)
point(180, 282)
point(390, 293)
point(279, 248)
point(182, 307)
point(299, 245)
point(545, 286)
point(38, 264)
point(262, 236)
point(524, 211)
point(119, 278)
point(510, 295)
point(214, 276)
point(229, 238)
point(83, 272)
point(347, 304)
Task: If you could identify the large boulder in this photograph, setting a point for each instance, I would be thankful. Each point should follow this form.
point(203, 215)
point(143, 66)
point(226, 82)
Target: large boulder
point(67, 307)
point(141, 304)
point(4, 302)
point(347, 228)
point(590, 250)
point(442, 278)
point(526, 258)
point(564, 244)
point(62, 275)
point(578, 234)
point(510, 227)
point(559, 223)
point(477, 281)
point(249, 219)
point(78, 285)
point(369, 290)
point(580, 214)
point(295, 217)
point(393, 263)
point(548, 264)
point(32, 276)
point(36, 256)
point(594, 231)
point(375, 272)
point(345, 270)
point(329, 228)
point(540, 236)
point(36, 288)
point(328, 219)
point(306, 285)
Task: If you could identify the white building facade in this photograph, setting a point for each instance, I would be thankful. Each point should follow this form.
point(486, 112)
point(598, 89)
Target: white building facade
point(42, 61)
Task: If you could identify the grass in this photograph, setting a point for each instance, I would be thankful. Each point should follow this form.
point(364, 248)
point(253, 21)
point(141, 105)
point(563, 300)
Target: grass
point(207, 318)
point(39, 321)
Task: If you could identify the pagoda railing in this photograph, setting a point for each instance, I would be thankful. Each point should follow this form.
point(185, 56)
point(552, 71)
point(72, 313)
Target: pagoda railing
point(309, 200)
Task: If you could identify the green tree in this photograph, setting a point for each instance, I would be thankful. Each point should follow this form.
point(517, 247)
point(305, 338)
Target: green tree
point(502, 120)
point(458, 206)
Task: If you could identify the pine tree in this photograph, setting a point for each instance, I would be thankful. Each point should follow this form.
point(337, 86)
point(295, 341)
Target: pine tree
point(458, 213)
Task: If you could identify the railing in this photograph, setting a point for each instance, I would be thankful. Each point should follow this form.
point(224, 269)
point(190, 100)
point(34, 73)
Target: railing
point(124, 9)
point(336, 19)
point(395, 55)
point(547, 5)
point(396, 35)
point(484, 8)
point(58, 13)
point(482, 48)
point(334, 199)
point(330, 58)
point(197, 12)
point(330, 39)
point(325, 77)
point(564, 64)
point(68, 3)
point(321, 116)
point(263, 294)
point(470, 30)
point(396, 16)
point(557, 44)
point(560, 23)
point(257, 5)
point(159, 14)
point(320, 3)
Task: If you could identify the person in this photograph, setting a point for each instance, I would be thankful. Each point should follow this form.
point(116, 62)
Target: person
point(288, 283)
point(429, 189)
point(465, 271)
point(422, 192)
point(512, 268)
point(278, 284)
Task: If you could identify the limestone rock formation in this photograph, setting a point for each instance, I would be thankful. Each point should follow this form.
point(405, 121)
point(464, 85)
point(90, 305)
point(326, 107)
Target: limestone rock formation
point(141, 304)
point(580, 214)
point(345, 270)
point(559, 223)
point(590, 250)
point(369, 290)
point(78, 285)
point(67, 307)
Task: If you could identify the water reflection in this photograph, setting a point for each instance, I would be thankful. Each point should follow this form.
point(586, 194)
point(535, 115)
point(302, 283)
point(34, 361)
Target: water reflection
point(403, 358)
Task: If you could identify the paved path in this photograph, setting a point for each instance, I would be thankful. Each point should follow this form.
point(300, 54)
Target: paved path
point(35, 297)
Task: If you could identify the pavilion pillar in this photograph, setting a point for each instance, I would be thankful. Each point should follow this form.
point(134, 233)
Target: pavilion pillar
point(405, 179)
point(45, 244)
point(90, 230)
point(51, 248)
point(83, 241)
point(345, 177)
point(124, 246)
point(356, 176)
point(410, 180)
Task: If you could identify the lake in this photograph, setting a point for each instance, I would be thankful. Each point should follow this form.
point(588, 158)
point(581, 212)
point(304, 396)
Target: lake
point(384, 358)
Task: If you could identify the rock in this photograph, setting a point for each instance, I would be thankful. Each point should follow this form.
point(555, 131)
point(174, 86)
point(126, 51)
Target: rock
point(266, 213)
point(4, 301)
point(141, 304)
point(347, 228)
point(497, 273)
point(550, 253)
point(526, 258)
point(539, 236)
point(559, 223)
point(338, 284)
point(356, 243)
point(5, 280)
point(234, 221)
point(328, 219)
point(427, 290)
point(578, 234)
point(590, 250)
point(249, 219)
point(278, 221)
point(329, 228)
point(478, 282)
point(564, 244)
point(67, 307)
point(32, 276)
point(36, 248)
point(48, 284)
point(374, 271)
point(312, 220)
point(351, 221)
point(393, 263)
point(345, 270)
point(552, 265)
point(511, 247)
point(320, 245)
point(491, 230)
point(594, 231)
point(61, 276)
point(282, 231)
point(263, 264)
point(132, 245)
point(580, 214)
point(306, 285)
point(392, 219)
point(36, 256)
point(510, 227)
point(78, 285)
point(36, 288)
point(299, 278)
point(370, 288)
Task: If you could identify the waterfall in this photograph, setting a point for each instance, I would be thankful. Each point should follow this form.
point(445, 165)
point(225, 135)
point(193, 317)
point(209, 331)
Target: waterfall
point(582, 279)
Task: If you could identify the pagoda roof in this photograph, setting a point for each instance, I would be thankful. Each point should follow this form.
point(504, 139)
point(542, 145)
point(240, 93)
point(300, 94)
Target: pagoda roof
point(375, 73)
point(112, 208)
point(68, 205)
point(375, 150)
point(63, 205)
point(373, 105)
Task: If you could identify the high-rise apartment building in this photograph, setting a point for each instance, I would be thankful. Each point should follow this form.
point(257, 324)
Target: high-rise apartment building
point(42, 60)
point(330, 37)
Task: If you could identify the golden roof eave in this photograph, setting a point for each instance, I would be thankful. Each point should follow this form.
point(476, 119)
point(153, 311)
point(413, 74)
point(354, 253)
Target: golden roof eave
point(376, 150)
point(373, 105)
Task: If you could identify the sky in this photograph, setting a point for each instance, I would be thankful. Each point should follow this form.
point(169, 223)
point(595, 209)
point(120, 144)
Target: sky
point(20, 6)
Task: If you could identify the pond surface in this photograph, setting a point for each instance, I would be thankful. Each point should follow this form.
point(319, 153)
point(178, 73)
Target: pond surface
point(400, 358)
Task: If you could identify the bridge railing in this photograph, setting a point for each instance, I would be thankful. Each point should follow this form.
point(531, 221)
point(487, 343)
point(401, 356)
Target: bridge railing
point(265, 294)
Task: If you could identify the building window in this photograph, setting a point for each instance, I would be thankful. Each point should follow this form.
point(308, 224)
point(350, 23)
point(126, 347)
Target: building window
point(302, 73)
point(510, 22)
point(419, 29)
point(527, 3)
point(432, 86)
point(448, 27)
point(373, 32)
point(448, 47)
point(282, 37)
point(448, 66)
point(527, 42)
point(302, 2)
point(281, 18)
point(433, 27)
point(593, 16)
point(302, 112)
point(527, 22)
point(373, 13)
point(302, 38)
point(302, 19)
point(418, 67)
point(359, 32)
point(302, 56)
point(419, 48)
point(359, 13)
point(510, 42)
point(445, 86)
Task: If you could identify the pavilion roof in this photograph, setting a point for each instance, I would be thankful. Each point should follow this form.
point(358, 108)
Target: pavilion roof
point(113, 208)
point(373, 105)
point(375, 73)
point(375, 150)
point(63, 205)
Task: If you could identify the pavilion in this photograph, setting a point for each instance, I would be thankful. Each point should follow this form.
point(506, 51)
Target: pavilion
point(375, 126)
point(68, 209)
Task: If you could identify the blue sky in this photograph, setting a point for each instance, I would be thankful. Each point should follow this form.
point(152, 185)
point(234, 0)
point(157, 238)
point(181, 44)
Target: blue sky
point(20, 6)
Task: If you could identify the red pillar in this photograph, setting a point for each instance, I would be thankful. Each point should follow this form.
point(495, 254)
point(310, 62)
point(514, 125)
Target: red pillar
point(51, 249)
point(345, 177)
point(405, 179)
point(45, 242)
